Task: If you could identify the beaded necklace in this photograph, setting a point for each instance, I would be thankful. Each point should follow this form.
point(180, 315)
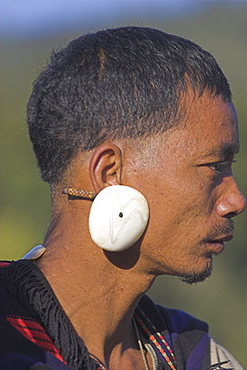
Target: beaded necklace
point(157, 339)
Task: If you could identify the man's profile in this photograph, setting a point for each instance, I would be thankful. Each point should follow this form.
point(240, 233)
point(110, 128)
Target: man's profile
point(135, 132)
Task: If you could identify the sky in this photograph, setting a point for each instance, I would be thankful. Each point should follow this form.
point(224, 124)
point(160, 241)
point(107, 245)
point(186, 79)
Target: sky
point(34, 18)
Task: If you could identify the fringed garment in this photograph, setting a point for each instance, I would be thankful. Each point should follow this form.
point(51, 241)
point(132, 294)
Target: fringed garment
point(36, 334)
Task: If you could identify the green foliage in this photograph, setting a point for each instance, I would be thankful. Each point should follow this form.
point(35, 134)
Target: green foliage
point(24, 199)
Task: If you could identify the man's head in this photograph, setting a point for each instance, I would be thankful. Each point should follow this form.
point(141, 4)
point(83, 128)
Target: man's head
point(142, 108)
point(114, 84)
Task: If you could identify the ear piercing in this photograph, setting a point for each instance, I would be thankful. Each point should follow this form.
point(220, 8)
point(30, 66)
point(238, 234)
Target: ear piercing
point(81, 193)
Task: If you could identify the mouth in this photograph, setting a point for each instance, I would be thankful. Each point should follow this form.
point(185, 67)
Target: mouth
point(218, 245)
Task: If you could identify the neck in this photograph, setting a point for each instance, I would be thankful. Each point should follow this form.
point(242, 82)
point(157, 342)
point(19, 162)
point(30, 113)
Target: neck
point(98, 290)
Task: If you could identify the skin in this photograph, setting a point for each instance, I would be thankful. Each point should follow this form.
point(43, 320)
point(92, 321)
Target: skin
point(192, 192)
point(192, 196)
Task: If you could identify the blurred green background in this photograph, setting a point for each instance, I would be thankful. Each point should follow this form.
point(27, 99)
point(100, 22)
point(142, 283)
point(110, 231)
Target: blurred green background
point(218, 26)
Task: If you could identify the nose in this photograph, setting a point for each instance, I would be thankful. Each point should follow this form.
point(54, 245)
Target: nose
point(232, 201)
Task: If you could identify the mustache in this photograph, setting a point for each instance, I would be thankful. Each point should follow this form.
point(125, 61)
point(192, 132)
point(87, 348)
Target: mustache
point(219, 232)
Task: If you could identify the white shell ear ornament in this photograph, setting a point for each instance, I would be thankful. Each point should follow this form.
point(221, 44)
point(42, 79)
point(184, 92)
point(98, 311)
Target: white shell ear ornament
point(118, 217)
point(35, 253)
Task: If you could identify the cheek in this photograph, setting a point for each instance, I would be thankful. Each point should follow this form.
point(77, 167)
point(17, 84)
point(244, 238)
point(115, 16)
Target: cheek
point(179, 200)
point(193, 210)
point(185, 207)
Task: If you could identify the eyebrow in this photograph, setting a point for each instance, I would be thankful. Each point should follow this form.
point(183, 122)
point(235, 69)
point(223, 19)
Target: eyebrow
point(224, 150)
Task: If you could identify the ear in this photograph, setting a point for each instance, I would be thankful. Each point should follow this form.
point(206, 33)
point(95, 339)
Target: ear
point(105, 166)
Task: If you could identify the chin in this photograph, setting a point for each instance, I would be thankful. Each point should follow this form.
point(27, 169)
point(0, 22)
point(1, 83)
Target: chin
point(194, 277)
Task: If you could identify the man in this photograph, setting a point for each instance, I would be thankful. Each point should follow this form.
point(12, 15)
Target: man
point(135, 132)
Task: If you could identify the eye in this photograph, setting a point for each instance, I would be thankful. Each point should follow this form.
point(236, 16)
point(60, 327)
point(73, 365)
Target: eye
point(220, 167)
point(217, 166)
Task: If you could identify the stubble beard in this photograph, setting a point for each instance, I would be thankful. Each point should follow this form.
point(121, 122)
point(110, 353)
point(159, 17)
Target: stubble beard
point(196, 277)
point(193, 277)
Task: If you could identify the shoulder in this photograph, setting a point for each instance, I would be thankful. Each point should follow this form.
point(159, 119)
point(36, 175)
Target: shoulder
point(20, 333)
point(189, 338)
point(171, 319)
point(186, 336)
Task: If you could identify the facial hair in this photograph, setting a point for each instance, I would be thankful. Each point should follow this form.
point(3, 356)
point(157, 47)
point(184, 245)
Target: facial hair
point(194, 277)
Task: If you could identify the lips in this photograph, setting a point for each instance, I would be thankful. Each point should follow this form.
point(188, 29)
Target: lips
point(224, 239)
point(218, 245)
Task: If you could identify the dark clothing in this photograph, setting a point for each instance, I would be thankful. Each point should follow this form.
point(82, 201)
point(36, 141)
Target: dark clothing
point(36, 334)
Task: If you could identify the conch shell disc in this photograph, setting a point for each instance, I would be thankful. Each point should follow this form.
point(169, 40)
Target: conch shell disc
point(118, 217)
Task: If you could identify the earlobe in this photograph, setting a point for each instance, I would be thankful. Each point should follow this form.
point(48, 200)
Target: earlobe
point(105, 166)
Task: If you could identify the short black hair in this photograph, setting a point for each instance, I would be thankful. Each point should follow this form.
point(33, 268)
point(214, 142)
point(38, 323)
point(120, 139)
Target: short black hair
point(117, 83)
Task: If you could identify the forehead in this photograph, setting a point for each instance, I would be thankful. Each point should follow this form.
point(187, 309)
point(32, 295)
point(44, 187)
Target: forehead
point(209, 127)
